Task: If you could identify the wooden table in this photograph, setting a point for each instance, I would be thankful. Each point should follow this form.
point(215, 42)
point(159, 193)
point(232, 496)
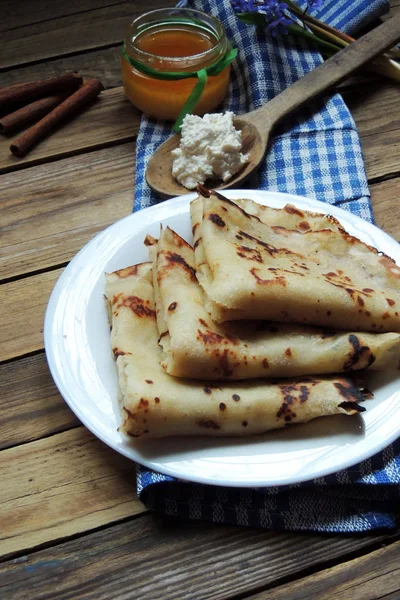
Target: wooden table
point(71, 525)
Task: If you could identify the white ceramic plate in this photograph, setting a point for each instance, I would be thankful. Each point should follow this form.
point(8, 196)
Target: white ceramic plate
point(80, 359)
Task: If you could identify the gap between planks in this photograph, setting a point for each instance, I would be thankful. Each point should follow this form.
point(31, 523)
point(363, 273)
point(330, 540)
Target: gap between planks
point(54, 38)
point(33, 409)
point(61, 206)
point(17, 16)
point(160, 557)
point(58, 33)
point(26, 299)
point(372, 575)
point(41, 499)
point(110, 120)
point(113, 120)
point(23, 334)
point(52, 194)
point(47, 42)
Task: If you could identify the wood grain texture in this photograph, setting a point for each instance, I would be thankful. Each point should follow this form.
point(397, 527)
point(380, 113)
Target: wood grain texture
point(64, 204)
point(370, 577)
point(30, 405)
point(71, 33)
point(156, 557)
point(103, 64)
point(67, 484)
point(394, 8)
point(386, 208)
point(114, 120)
point(22, 307)
point(50, 214)
point(17, 14)
point(382, 154)
point(374, 107)
point(38, 30)
point(110, 120)
point(70, 483)
point(375, 112)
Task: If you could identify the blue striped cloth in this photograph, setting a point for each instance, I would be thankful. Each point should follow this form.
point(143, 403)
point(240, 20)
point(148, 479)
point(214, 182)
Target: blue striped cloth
point(315, 154)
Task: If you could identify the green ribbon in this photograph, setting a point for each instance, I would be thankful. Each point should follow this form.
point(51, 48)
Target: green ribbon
point(202, 76)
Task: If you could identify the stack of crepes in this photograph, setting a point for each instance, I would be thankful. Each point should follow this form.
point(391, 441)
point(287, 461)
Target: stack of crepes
point(255, 326)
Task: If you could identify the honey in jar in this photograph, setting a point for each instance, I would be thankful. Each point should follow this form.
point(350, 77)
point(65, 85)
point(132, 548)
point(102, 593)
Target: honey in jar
point(165, 42)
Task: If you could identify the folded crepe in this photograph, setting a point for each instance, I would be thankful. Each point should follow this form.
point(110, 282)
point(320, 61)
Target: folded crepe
point(252, 270)
point(158, 405)
point(288, 217)
point(195, 346)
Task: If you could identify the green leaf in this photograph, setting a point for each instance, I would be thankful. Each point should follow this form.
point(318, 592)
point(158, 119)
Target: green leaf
point(252, 18)
point(322, 44)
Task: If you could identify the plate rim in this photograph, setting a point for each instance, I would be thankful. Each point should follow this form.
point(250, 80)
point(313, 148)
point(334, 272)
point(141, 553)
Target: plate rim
point(181, 202)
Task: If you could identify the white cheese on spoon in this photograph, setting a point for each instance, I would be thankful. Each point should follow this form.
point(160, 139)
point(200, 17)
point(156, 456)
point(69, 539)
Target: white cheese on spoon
point(209, 149)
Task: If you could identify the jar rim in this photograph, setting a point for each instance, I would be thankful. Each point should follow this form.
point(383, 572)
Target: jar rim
point(166, 14)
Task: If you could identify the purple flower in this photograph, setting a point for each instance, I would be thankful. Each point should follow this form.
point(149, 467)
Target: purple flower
point(279, 26)
point(244, 6)
point(277, 20)
point(273, 11)
point(268, 7)
point(274, 7)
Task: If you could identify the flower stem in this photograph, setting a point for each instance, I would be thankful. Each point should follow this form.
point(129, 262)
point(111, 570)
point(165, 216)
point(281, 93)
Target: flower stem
point(328, 35)
point(312, 20)
point(318, 41)
point(384, 65)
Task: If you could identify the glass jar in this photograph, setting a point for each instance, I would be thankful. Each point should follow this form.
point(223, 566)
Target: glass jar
point(173, 40)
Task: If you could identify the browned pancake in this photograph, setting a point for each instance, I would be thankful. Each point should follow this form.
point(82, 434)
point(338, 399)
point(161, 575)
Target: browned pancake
point(251, 270)
point(155, 404)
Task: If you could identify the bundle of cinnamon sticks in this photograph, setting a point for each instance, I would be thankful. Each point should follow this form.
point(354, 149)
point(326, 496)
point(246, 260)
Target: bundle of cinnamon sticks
point(46, 104)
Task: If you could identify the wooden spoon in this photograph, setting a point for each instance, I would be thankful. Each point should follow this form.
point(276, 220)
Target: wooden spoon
point(257, 125)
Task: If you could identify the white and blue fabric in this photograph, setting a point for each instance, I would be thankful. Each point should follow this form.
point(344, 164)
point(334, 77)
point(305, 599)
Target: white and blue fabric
point(317, 154)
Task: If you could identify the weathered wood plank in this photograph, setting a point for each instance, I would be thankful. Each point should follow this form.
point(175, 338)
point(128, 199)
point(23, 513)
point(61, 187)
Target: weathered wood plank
point(110, 120)
point(376, 575)
point(113, 119)
point(154, 557)
point(394, 9)
point(62, 485)
point(47, 30)
point(104, 64)
point(49, 215)
point(72, 33)
point(382, 154)
point(386, 208)
point(375, 112)
point(26, 299)
point(22, 307)
point(374, 107)
point(30, 405)
point(17, 14)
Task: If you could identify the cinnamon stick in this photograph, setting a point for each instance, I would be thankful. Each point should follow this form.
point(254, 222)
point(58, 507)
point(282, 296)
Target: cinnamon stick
point(30, 112)
point(27, 92)
point(88, 92)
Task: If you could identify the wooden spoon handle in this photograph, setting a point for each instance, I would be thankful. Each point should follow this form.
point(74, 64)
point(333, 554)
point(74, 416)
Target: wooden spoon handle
point(328, 74)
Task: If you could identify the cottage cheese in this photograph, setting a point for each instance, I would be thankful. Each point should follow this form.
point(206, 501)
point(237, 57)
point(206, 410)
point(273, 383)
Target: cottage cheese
point(209, 149)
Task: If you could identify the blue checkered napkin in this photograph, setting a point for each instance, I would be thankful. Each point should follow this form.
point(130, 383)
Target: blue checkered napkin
point(316, 154)
point(362, 498)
